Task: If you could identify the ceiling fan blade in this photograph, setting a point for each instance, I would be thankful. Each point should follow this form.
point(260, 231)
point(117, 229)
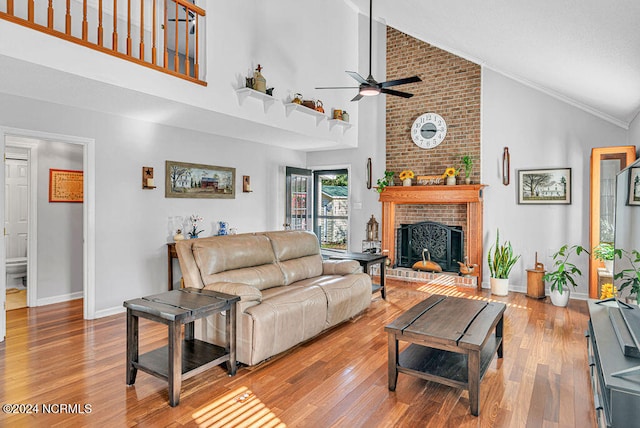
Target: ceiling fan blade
point(400, 81)
point(356, 76)
point(356, 98)
point(338, 87)
point(397, 93)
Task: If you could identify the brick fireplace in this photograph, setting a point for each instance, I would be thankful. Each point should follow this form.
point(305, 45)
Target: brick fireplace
point(467, 196)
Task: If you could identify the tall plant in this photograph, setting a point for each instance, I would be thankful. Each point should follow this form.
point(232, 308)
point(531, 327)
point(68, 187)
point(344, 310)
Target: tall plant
point(502, 260)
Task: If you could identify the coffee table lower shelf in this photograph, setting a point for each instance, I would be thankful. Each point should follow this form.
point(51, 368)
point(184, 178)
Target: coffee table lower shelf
point(444, 367)
point(197, 356)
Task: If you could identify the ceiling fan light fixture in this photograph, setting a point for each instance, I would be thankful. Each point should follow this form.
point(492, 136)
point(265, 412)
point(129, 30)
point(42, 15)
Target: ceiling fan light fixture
point(369, 91)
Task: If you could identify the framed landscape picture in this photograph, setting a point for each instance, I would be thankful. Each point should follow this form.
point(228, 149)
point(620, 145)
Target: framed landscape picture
point(634, 186)
point(192, 180)
point(544, 186)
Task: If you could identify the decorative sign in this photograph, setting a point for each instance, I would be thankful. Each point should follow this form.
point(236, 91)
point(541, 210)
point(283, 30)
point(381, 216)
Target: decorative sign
point(65, 185)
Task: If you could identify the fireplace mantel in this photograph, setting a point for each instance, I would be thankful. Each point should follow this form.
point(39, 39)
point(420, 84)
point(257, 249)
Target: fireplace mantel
point(469, 195)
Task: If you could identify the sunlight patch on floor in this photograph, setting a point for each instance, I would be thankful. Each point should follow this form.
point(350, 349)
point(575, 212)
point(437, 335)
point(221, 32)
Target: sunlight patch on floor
point(238, 408)
point(448, 290)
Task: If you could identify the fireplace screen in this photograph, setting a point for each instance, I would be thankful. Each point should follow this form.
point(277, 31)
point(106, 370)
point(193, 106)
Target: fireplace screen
point(445, 244)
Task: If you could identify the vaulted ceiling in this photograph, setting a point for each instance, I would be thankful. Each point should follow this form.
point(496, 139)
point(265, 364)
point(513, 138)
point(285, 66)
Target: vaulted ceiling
point(586, 52)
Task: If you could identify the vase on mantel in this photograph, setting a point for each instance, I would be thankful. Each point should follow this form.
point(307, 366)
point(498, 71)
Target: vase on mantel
point(406, 182)
point(467, 180)
point(451, 181)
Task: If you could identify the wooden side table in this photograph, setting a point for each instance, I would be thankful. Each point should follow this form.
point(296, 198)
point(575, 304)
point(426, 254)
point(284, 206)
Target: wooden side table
point(171, 254)
point(180, 359)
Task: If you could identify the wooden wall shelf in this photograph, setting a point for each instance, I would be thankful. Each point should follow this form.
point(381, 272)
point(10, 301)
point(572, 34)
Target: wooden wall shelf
point(469, 195)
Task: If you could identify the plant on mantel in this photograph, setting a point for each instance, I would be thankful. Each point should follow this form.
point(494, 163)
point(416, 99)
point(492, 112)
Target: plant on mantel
point(385, 181)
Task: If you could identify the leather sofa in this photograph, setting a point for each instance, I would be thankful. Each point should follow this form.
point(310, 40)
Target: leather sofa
point(288, 293)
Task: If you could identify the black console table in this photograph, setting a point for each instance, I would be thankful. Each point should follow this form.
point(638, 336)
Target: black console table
point(617, 399)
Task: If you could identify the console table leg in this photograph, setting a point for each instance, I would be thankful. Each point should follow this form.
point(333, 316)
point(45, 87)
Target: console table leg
point(231, 339)
point(132, 347)
point(393, 362)
point(175, 363)
point(474, 381)
point(499, 327)
point(383, 290)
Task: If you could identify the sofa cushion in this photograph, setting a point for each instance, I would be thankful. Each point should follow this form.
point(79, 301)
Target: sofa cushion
point(246, 258)
point(285, 319)
point(246, 292)
point(297, 253)
point(340, 267)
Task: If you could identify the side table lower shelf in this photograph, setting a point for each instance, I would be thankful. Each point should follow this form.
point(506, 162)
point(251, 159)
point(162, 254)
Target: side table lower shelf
point(197, 356)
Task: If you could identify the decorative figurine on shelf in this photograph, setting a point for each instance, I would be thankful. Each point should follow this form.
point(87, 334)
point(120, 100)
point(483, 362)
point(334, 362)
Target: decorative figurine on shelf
point(319, 106)
point(270, 91)
point(260, 83)
point(337, 114)
point(178, 236)
point(345, 116)
point(297, 98)
point(222, 228)
point(250, 82)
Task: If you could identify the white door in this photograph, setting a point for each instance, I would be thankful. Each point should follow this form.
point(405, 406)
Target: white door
point(3, 278)
point(16, 205)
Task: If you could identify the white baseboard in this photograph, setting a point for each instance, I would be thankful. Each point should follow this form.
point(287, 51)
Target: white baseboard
point(110, 311)
point(59, 299)
point(523, 289)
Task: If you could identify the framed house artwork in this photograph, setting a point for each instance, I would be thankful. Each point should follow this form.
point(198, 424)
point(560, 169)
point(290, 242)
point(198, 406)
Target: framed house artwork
point(192, 180)
point(634, 186)
point(66, 185)
point(544, 186)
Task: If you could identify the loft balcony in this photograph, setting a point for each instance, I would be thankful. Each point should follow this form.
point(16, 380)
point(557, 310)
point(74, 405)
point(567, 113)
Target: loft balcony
point(163, 35)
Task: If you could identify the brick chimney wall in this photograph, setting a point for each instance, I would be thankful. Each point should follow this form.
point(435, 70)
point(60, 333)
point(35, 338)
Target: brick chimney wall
point(450, 87)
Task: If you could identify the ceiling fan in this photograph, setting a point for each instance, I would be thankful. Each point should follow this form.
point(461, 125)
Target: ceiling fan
point(191, 19)
point(369, 86)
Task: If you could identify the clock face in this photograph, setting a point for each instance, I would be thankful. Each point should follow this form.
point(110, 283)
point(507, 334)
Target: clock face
point(428, 130)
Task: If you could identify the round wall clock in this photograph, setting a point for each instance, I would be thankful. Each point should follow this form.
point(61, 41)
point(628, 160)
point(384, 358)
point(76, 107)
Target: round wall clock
point(428, 130)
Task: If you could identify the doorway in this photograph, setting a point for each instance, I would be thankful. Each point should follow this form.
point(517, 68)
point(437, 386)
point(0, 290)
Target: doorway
point(331, 208)
point(16, 225)
point(8, 137)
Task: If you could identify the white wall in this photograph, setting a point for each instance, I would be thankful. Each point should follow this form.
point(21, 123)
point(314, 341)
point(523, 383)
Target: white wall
point(132, 223)
point(371, 142)
point(59, 227)
point(541, 132)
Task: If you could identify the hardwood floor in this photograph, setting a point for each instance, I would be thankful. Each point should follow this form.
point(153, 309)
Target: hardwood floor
point(52, 356)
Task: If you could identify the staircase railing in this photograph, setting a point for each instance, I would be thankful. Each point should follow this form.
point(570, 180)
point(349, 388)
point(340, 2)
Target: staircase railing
point(161, 34)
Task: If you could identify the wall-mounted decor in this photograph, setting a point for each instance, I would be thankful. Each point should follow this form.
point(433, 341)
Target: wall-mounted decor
point(246, 184)
point(506, 165)
point(65, 185)
point(544, 186)
point(191, 180)
point(367, 173)
point(148, 181)
point(634, 186)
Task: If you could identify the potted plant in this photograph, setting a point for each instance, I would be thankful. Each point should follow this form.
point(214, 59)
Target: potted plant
point(467, 165)
point(387, 180)
point(630, 277)
point(564, 274)
point(604, 252)
point(500, 264)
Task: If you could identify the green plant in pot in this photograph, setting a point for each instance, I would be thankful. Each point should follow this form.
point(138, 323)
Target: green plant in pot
point(564, 274)
point(501, 260)
point(605, 253)
point(630, 277)
point(467, 165)
point(385, 181)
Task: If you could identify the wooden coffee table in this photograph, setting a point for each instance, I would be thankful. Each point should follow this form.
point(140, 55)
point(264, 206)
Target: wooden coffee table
point(452, 342)
point(180, 359)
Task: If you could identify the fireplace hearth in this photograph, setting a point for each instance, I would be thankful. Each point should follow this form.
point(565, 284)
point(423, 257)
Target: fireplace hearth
point(444, 243)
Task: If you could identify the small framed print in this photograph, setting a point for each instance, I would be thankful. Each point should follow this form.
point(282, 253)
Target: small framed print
point(66, 185)
point(544, 186)
point(634, 186)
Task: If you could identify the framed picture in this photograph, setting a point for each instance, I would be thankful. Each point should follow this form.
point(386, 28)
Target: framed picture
point(192, 180)
point(544, 186)
point(66, 185)
point(634, 186)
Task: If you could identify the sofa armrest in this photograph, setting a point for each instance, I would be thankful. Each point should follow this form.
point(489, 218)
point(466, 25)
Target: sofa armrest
point(340, 267)
point(247, 293)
